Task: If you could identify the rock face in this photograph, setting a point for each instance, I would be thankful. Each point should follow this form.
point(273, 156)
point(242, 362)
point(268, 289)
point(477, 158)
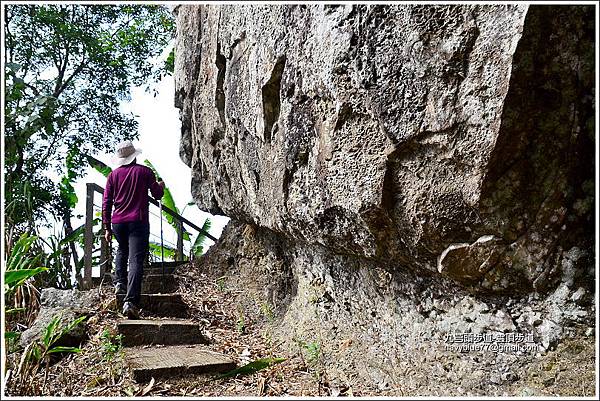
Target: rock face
point(443, 140)
point(399, 177)
point(68, 305)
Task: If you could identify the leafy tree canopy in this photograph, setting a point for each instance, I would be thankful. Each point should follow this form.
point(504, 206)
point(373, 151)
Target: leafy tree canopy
point(67, 68)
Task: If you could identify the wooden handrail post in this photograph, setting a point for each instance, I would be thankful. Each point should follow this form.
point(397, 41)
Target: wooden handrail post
point(88, 244)
point(179, 240)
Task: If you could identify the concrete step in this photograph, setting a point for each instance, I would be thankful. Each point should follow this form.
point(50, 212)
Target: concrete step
point(165, 332)
point(171, 305)
point(151, 283)
point(152, 269)
point(171, 264)
point(176, 360)
point(159, 284)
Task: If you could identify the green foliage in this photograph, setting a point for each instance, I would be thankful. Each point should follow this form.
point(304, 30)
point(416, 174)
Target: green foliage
point(112, 345)
point(20, 264)
point(67, 68)
point(40, 351)
point(198, 246)
point(9, 335)
point(252, 367)
point(170, 62)
point(168, 201)
point(313, 351)
point(169, 252)
point(66, 190)
point(98, 165)
point(11, 339)
point(221, 283)
point(267, 311)
point(77, 234)
point(22, 267)
point(54, 332)
point(59, 272)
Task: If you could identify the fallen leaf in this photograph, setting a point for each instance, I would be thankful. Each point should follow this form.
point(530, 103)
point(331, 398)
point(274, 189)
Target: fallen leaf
point(345, 344)
point(147, 389)
point(261, 386)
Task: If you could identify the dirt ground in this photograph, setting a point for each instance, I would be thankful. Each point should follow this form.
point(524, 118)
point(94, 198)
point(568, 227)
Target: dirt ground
point(245, 336)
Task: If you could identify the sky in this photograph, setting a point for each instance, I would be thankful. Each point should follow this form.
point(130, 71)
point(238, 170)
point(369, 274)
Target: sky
point(159, 129)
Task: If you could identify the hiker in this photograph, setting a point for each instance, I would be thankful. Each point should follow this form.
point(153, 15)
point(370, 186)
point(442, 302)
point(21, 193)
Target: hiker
point(127, 189)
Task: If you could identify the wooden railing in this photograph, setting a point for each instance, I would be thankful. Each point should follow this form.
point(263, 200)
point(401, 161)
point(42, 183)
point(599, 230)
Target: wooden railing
point(104, 262)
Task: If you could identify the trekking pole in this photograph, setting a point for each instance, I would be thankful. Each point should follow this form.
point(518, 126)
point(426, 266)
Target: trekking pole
point(162, 248)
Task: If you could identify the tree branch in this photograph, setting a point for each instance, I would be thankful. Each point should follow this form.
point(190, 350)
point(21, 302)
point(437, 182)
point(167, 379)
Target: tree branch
point(70, 78)
point(61, 73)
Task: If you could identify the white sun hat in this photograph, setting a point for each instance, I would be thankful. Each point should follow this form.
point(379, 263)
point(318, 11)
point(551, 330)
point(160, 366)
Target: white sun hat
point(125, 153)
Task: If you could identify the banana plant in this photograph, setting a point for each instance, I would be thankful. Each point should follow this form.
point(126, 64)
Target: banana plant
point(198, 246)
point(20, 265)
point(98, 165)
point(168, 201)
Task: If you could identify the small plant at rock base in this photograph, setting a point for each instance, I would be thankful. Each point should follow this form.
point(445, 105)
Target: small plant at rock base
point(112, 345)
point(267, 311)
point(221, 283)
point(311, 353)
point(39, 352)
point(241, 325)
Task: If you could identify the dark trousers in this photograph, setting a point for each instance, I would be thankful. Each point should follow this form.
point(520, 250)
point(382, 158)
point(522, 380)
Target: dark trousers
point(133, 240)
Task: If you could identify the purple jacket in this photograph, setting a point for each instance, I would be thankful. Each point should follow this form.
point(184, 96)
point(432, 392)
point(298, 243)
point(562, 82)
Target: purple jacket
point(127, 189)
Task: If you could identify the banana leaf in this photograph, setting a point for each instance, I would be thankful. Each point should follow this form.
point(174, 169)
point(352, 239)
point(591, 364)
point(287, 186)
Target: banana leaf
point(98, 165)
point(198, 246)
point(170, 253)
point(19, 276)
point(168, 201)
point(20, 265)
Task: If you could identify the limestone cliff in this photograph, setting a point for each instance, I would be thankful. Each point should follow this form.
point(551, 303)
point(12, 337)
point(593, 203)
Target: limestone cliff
point(397, 167)
point(450, 139)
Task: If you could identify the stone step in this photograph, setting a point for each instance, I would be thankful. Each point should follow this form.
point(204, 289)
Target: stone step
point(165, 332)
point(153, 269)
point(159, 284)
point(170, 264)
point(175, 360)
point(171, 305)
point(151, 283)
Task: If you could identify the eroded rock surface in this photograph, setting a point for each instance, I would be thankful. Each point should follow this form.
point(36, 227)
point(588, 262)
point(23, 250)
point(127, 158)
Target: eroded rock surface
point(399, 177)
point(403, 333)
point(452, 140)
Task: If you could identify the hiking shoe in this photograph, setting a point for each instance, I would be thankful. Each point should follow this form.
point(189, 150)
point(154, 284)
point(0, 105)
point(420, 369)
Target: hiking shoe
point(131, 311)
point(120, 289)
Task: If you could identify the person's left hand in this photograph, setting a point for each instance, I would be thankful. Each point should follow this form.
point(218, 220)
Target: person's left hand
point(108, 235)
